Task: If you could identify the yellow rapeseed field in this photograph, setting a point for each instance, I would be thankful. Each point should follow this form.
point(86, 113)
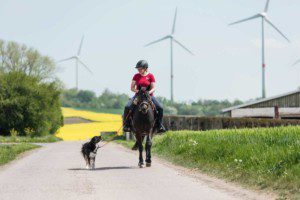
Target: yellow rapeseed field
point(102, 122)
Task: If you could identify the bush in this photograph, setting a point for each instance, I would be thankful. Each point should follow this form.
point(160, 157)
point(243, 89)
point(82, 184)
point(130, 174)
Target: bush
point(28, 104)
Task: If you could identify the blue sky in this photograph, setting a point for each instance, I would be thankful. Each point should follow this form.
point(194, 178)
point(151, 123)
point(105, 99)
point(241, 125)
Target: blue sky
point(226, 65)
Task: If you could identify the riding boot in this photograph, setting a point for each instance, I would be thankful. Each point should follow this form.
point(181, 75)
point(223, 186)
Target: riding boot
point(160, 126)
point(126, 120)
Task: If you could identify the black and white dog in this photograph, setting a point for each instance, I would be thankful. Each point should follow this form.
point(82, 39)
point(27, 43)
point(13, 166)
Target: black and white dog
point(89, 151)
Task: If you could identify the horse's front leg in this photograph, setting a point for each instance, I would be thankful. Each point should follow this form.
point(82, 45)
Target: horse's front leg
point(140, 144)
point(148, 150)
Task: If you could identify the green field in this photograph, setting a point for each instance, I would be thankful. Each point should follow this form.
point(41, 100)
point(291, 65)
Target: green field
point(265, 158)
point(9, 152)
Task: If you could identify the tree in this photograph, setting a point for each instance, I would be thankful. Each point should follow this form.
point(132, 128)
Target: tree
point(110, 100)
point(27, 104)
point(19, 58)
point(85, 96)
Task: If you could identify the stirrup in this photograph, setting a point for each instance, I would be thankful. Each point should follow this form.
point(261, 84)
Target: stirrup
point(161, 128)
point(126, 128)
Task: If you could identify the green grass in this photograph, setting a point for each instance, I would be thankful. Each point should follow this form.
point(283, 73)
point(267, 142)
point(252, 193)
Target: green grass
point(266, 158)
point(42, 139)
point(122, 141)
point(10, 152)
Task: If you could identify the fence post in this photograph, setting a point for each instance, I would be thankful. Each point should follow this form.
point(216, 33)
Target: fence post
point(276, 111)
point(128, 136)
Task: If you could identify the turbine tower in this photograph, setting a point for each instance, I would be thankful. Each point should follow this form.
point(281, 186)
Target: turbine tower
point(264, 18)
point(77, 62)
point(172, 39)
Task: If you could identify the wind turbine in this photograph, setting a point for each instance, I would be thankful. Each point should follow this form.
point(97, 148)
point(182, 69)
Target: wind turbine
point(264, 18)
point(172, 39)
point(296, 63)
point(77, 61)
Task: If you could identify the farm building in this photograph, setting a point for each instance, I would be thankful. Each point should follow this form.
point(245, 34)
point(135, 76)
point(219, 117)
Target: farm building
point(285, 106)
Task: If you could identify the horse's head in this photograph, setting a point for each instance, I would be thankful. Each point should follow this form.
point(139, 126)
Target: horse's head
point(143, 101)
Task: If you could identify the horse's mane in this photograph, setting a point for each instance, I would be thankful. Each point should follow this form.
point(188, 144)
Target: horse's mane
point(143, 96)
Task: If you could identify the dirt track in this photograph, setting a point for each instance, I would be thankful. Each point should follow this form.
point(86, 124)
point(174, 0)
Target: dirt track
point(56, 171)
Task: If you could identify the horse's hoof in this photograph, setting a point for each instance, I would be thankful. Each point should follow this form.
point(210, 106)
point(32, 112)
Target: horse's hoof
point(141, 165)
point(148, 164)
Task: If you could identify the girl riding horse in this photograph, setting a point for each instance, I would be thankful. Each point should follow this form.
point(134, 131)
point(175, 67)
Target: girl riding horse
point(143, 80)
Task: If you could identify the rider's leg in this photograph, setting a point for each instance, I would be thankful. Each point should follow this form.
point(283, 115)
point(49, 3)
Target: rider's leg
point(160, 114)
point(126, 116)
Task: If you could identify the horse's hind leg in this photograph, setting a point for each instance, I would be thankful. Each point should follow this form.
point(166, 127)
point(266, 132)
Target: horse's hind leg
point(148, 150)
point(140, 144)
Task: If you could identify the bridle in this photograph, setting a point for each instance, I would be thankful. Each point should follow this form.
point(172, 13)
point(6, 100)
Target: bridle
point(144, 103)
point(144, 107)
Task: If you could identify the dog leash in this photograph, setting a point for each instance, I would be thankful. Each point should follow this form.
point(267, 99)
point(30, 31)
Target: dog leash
point(130, 111)
point(117, 131)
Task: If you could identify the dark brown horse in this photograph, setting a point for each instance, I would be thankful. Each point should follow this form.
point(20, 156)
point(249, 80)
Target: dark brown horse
point(143, 123)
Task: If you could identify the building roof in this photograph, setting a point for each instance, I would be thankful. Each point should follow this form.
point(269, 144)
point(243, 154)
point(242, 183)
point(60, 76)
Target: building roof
point(259, 101)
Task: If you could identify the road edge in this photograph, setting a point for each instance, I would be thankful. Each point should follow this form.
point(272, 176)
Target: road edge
point(20, 156)
point(231, 188)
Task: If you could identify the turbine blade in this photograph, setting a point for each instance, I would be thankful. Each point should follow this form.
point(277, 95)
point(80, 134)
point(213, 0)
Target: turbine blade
point(156, 41)
point(174, 22)
point(85, 66)
point(296, 63)
point(70, 58)
point(247, 19)
point(80, 46)
point(267, 6)
point(185, 48)
point(277, 29)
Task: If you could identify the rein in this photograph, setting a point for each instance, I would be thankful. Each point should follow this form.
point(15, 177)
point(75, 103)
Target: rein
point(137, 103)
point(116, 132)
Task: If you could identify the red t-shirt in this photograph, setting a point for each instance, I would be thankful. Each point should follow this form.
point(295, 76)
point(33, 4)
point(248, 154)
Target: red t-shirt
point(143, 81)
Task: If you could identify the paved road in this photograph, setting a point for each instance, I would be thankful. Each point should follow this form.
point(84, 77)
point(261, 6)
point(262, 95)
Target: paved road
point(56, 171)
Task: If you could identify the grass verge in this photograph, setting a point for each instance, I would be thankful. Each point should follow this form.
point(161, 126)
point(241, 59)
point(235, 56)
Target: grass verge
point(20, 139)
point(10, 152)
point(266, 158)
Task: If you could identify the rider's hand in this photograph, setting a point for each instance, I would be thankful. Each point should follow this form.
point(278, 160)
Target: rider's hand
point(143, 89)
